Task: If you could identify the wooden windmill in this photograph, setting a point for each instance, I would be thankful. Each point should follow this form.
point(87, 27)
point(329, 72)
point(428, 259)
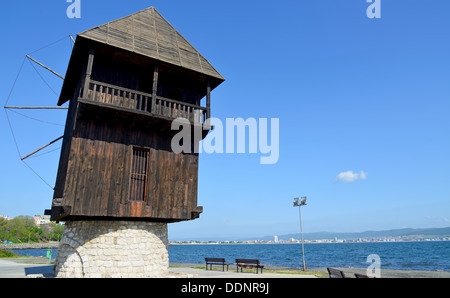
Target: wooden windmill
point(127, 80)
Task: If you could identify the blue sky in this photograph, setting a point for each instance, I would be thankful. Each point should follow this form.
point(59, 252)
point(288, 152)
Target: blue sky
point(370, 96)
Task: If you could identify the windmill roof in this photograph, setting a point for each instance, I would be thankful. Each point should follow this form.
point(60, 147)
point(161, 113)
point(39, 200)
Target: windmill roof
point(148, 33)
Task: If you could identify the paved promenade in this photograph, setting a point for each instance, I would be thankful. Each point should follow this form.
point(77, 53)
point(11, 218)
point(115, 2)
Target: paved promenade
point(16, 268)
point(202, 273)
point(13, 268)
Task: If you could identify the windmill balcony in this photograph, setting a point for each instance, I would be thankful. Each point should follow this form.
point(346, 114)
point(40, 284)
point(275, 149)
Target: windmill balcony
point(112, 96)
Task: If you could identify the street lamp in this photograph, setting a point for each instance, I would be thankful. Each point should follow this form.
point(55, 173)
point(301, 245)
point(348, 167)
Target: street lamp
point(301, 202)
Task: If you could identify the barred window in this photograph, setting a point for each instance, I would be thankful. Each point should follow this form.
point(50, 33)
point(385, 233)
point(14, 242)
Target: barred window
point(138, 178)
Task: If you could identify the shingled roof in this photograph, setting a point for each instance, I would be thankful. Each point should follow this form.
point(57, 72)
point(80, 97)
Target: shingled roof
point(147, 33)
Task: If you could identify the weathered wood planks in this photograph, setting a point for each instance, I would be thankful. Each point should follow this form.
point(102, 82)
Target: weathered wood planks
point(99, 173)
point(126, 81)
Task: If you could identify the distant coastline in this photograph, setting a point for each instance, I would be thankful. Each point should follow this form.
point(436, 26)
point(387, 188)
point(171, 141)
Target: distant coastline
point(55, 245)
point(285, 242)
point(387, 236)
point(394, 235)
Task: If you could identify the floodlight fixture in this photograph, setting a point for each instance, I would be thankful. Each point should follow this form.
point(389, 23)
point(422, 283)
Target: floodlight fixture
point(299, 203)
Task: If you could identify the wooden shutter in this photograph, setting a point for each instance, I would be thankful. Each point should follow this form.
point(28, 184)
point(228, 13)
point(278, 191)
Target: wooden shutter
point(138, 183)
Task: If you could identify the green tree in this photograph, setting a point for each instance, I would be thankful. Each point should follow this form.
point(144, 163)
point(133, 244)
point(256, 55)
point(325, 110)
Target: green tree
point(55, 232)
point(22, 229)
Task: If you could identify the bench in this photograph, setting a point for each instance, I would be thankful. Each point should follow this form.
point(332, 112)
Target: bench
point(215, 261)
point(335, 273)
point(248, 263)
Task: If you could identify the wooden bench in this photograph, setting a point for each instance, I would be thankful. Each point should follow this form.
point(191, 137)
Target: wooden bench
point(335, 273)
point(216, 261)
point(248, 263)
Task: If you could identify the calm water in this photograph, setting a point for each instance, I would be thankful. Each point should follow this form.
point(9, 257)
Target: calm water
point(400, 255)
point(35, 252)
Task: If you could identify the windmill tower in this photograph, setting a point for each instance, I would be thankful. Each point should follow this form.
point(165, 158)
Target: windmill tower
point(119, 183)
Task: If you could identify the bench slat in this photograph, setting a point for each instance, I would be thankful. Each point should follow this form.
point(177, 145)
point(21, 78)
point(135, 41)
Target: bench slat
point(216, 261)
point(248, 263)
point(335, 273)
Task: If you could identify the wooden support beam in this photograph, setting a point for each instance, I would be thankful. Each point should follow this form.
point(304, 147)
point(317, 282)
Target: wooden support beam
point(155, 87)
point(36, 151)
point(47, 68)
point(87, 77)
point(208, 103)
point(71, 38)
point(37, 108)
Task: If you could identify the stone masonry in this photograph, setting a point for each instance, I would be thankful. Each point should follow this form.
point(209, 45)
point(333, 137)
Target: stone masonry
point(113, 249)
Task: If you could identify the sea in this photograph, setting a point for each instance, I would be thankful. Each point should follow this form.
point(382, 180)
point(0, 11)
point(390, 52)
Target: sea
point(426, 255)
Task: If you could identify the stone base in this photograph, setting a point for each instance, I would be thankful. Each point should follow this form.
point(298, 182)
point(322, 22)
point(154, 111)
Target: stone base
point(113, 249)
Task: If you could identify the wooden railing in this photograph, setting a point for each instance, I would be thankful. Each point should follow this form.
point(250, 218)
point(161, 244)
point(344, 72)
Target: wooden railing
point(136, 100)
point(175, 109)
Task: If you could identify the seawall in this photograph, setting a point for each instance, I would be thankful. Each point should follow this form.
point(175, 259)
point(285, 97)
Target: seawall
point(29, 245)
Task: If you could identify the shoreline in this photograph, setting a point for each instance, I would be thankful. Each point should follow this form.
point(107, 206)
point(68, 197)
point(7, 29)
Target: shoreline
point(389, 273)
point(278, 270)
point(431, 272)
point(350, 271)
point(35, 245)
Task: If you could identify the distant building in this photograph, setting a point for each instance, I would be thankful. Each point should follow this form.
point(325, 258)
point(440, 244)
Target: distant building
point(5, 217)
point(41, 219)
point(275, 239)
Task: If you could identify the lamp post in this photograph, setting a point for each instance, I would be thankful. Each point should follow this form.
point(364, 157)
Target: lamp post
point(301, 202)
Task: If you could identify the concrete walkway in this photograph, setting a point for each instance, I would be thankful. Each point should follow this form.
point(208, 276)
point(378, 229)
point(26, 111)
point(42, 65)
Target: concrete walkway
point(202, 273)
point(16, 268)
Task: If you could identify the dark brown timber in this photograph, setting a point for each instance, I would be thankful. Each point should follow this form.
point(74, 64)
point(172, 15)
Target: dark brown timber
point(126, 82)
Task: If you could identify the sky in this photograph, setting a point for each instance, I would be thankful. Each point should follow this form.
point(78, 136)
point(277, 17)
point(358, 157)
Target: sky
point(363, 107)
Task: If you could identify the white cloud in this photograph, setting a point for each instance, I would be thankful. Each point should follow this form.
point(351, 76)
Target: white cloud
point(349, 176)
